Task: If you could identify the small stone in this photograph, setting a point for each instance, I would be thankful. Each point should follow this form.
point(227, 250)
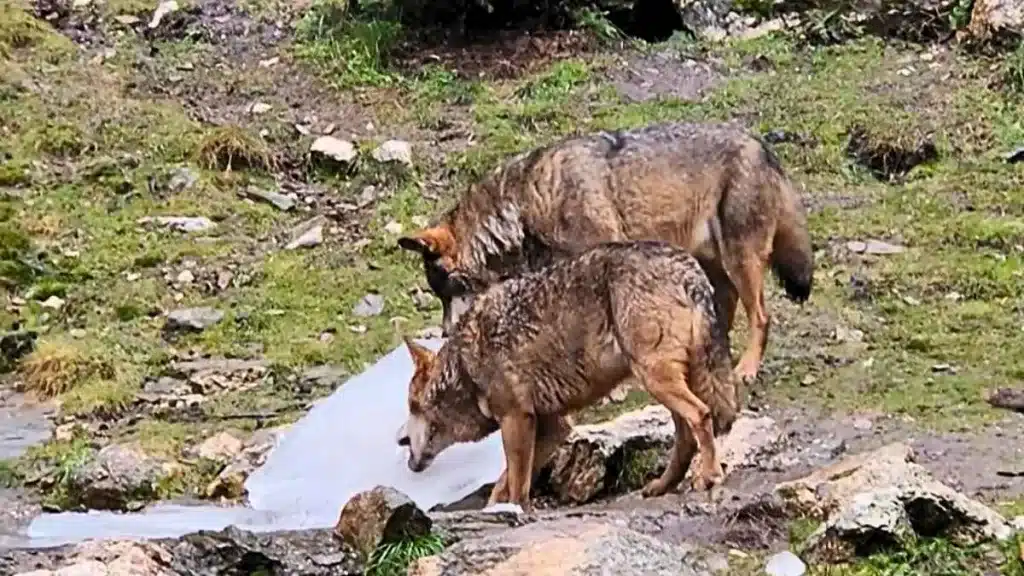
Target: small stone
point(843, 334)
point(330, 128)
point(942, 367)
point(180, 223)
point(911, 301)
point(334, 150)
point(397, 151)
point(278, 200)
point(380, 516)
point(193, 319)
point(308, 234)
point(369, 305)
point(430, 333)
point(53, 303)
point(423, 300)
point(258, 108)
point(393, 228)
point(1014, 156)
point(619, 394)
point(785, 564)
point(165, 8)
point(186, 277)
point(808, 380)
point(862, 424)
point(77, 333)
point(127, 19)
point(221, 448)
point(182, 179)
point(1018, 523)
point(269, 62)
point(357, 329)
point(419, 221)
point(65, 432)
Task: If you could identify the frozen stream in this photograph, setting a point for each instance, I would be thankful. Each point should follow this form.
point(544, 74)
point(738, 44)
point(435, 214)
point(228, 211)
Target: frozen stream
point(344, 445)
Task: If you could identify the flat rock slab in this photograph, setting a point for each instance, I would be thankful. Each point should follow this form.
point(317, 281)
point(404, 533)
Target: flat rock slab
point(596, 458)
point(881, 497)
point(556, 548)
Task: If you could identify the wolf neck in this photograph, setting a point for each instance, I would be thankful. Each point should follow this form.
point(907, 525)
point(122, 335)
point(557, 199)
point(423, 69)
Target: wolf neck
point(495, 241)
point(462, 398)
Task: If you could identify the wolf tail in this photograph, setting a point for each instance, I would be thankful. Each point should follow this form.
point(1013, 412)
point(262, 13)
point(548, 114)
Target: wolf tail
point(792, 257)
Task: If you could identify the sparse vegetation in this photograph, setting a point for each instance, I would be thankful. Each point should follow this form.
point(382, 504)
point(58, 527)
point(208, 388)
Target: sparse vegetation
point(233, 148)
point(393, 559)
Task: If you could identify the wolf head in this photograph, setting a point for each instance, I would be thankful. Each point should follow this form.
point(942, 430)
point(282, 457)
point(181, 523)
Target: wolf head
point(438, 248)
point(443, 406)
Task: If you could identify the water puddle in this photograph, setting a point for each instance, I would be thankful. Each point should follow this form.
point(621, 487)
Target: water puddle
point(344, 445)
point(22, 424)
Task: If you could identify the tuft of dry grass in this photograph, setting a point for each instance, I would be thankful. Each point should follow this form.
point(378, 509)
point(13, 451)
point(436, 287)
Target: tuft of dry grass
point(233, 148)
point(55, 367)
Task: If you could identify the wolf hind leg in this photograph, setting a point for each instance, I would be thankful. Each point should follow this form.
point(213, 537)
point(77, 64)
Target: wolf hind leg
point(679, 461)
point(666, 381)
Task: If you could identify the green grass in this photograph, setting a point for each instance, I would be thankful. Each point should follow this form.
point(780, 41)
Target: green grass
point(393, 559)
point(935, 557)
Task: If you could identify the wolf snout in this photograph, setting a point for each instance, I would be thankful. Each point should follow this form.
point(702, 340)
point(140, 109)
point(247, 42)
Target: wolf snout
point(418, 464)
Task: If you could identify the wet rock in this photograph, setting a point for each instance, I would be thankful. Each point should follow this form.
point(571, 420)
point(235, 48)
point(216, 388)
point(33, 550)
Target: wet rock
point(991, 19)
point(369, 305)
point(258, 108)
point(874, 247)
point(785, 563)
point(165, 8)
point(1014, 156)
point(230, 483)
point(329, 151)
point(182, 179)
point(229, 551)
point(380, 516)
point(193, 319)
point(878, 497)
point(559, 547)
point(622, 454)
point(14, 346)
point(1008, 399)
point(394, 151)
point(221, 447)
point(889, 158)
point(117, 476)
point(308, 234)
point(275, 199)
point(181, 223)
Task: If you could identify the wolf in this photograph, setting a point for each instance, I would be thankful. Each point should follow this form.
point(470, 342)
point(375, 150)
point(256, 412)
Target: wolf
point(535, 348)
point(711, 188)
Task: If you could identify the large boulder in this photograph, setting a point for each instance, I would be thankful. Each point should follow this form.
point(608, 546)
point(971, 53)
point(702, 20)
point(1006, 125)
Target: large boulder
point(559, 547)
point(380, 516)
point(997, 19)
point(621, 455)
point(881, 498)
point(229, 551)
point(116, 478)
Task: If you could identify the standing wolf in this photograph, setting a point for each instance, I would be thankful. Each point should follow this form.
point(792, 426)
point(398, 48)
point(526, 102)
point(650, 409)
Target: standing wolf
point(713, 189)
point(534, 348)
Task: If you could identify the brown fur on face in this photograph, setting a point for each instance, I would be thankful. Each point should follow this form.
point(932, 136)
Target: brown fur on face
point(535, 348)
point(712, 189)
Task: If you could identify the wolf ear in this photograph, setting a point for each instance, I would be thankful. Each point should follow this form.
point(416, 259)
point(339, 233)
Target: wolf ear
point(422, 357)
point(436, 241)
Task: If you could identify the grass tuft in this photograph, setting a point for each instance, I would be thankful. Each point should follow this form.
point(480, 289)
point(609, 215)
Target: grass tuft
point(233, 148)
point(57, 366)
point(393, 559)
point(348, 51)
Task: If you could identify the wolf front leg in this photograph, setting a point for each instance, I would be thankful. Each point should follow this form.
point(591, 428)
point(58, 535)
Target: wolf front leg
point(552, 431)
point(679, 461)
point(518, 437)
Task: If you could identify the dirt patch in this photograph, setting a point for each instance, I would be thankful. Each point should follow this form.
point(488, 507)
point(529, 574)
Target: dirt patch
point(665, 74)
point(504, 55)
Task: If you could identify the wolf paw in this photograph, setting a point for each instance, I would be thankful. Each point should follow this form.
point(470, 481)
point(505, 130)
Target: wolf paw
point(654, 488)
point(708, 479)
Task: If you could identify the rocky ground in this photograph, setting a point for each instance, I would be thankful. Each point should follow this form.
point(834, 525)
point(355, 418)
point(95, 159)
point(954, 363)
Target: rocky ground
point(199, 205)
